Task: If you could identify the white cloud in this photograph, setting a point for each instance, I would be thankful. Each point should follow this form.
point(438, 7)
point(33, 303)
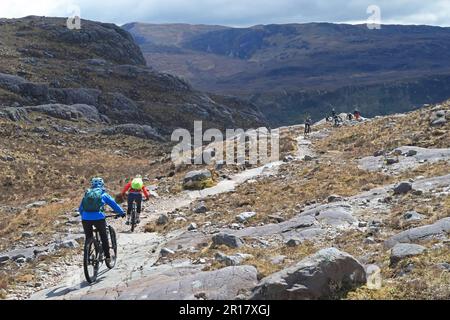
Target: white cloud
point(236, 12)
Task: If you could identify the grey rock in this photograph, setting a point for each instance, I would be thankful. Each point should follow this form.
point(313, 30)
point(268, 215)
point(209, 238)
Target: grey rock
point(278, 259)
point(438, 230)
point(223, 284)
point(20, 260)
point(341, 215)
point(163, 219)
point(227, 239)
point(245, 216)
point(411, 153)
point(27, 234)
point(308, 158)
point(192, 226)
point(412, 216)
point(166, 252)
point(405, 250)
point(294, 242)
point(36, 204)
point(201, 208)
point(199, 175)
point(334, 198)
point(320, 276)
point(66, 244)
point(439, 122)
point(444, 266)
point(403, 188)
point(390, 161)
point(233, 260)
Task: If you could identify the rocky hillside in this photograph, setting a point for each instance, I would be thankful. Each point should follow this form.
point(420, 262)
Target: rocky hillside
point(295, 69)
point(359, 211)
point(43, 62)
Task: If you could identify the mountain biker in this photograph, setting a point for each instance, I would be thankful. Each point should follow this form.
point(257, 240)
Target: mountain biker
point(357, 114)
point(92, 212)
point(135, 188)
point(308, 123)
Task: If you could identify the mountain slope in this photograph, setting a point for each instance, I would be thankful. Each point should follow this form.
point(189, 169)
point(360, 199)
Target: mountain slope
point(44, 62)
point(275, 63)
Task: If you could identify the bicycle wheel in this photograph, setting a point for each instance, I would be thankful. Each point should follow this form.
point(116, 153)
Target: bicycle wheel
point(113, 239)
point(91, 260)
point(133, 217)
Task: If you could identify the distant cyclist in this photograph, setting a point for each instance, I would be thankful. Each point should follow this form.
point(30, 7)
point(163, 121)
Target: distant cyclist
point(135, 189)
point(92, 211)
point(308, 123)
point(357, 114)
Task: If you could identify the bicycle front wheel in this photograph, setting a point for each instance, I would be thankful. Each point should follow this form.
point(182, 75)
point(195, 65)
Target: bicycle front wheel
point(112, 235)
point(91, 259)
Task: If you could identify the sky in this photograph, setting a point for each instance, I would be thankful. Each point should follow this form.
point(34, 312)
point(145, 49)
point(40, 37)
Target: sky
point(237, 13)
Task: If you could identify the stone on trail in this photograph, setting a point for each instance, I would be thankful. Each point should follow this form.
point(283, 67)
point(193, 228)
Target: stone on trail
point(334, 198)
point(233, 260)
point(166, 252)
point(223, 284)
point(227, 239)
point(405, 250)
point(323, 275)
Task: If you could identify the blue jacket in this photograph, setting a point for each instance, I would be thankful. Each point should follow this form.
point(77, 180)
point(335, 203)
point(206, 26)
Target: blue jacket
point(93, 216)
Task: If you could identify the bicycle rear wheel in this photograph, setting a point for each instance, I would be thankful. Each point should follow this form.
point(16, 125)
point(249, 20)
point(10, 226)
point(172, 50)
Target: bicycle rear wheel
point(133, 217)
point(113, 239)
point(91, 261)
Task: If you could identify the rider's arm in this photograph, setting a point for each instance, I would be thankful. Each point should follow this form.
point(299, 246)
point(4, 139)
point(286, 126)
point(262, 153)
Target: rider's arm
point(126, 188)
point(107, 199)
point(80, 209)
point(145, 191)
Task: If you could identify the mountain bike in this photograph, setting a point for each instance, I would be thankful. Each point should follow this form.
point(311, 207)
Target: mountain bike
point(337, 121)
point(133, 218)
point(94, 255)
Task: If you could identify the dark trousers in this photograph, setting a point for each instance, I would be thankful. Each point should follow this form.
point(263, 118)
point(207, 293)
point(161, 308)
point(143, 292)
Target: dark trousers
point(100, 225)
point(134, 197)
point(307, 128)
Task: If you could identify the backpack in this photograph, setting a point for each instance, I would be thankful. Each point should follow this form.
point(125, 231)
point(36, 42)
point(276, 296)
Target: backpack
point(137, 184)
point(92, 201)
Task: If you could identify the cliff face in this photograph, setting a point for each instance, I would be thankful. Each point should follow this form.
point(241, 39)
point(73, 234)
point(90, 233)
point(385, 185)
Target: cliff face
point(43, 62)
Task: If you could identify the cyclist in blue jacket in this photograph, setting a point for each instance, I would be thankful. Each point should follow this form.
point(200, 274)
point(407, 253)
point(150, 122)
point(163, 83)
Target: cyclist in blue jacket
point(92, 211)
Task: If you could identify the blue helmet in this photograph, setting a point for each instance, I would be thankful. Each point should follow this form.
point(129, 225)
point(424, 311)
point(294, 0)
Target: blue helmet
point(97, 183)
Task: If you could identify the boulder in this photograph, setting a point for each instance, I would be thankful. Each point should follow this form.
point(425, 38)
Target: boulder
point(201, 208)
point(412, 216)
point(293, 242)
point(227, 239)
point(233, 260)
point(438, 230)
point(163, 219)
point(324, 275)
point(403, 188)
point(245, 216)
point(405, 250)
point(197, 180)
point(223, 284)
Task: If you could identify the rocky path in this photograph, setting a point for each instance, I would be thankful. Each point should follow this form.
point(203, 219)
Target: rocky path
point(138, 252)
